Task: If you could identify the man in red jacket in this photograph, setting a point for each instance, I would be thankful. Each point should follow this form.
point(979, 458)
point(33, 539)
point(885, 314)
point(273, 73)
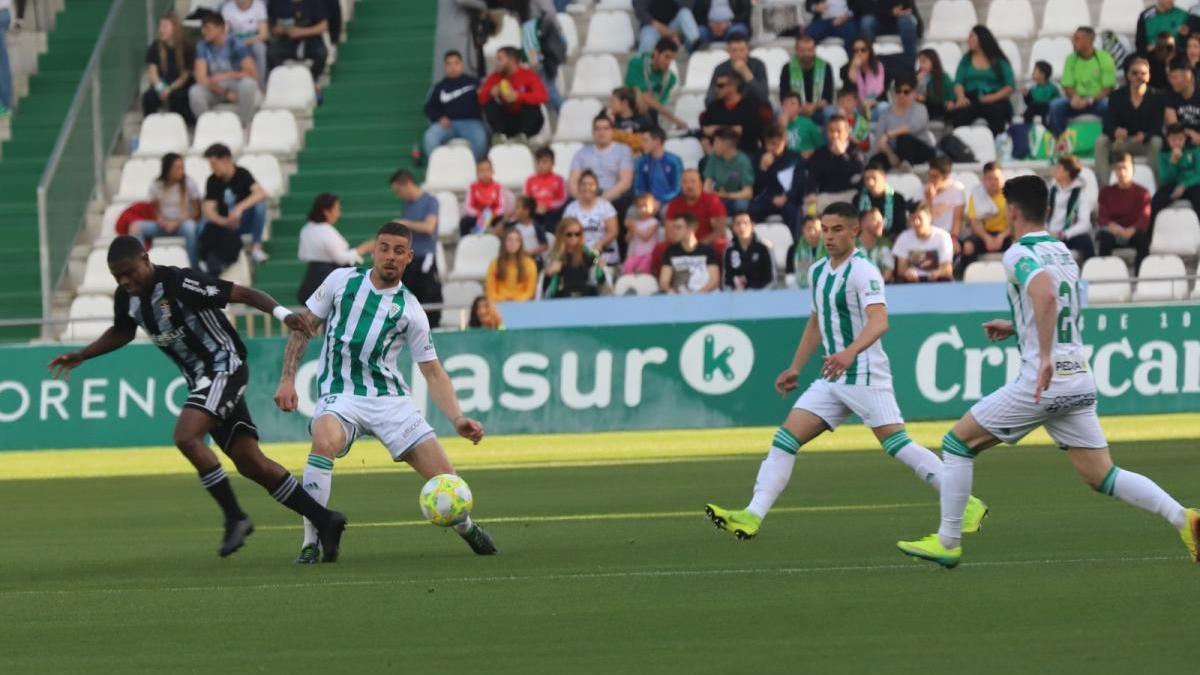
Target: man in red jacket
point(512, 97)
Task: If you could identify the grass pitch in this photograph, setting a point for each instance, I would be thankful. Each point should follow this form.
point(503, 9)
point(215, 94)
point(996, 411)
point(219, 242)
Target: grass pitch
point(607, 565)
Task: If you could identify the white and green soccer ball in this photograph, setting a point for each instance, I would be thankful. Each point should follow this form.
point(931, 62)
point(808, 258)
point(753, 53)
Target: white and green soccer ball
point(446, 500)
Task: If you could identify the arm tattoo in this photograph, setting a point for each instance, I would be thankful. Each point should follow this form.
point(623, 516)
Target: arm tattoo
point(296, 345)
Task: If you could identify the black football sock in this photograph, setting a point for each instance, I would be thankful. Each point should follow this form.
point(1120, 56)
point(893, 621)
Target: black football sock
point(217, 484)
point(290, 494)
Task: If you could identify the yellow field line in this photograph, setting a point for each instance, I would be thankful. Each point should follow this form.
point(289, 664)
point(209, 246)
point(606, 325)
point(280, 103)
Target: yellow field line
point(550, 450)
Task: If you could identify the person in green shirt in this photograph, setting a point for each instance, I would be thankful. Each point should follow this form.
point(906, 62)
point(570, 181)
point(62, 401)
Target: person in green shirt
point(1039, 94)
point(1161, 17)
point(803, 134)
point(807, 250)
point(728, 172)
point(1178, 173)
point(1088, 77)
point(934, 87)
point(982, 84)
point(650, 75)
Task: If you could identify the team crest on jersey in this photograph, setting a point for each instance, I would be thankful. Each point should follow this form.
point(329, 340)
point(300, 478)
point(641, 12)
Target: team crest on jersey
point(874, 285)
point(164, 306)
point(394, 310)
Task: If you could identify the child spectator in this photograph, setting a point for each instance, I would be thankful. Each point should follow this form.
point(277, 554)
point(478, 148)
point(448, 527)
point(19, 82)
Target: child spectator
point(874, 243)
point(749, 263)
point(657, 171)
point(808, 250)
point(642, 236)
point(1178, 173)
point(1041, 93)
point(533, 235)
point(573, 269)
point(728, 172)
point(945, 197)
point(484, 315)
point(779, 179)
point(547, 188)
point(850, 107)
point(803, 134)
point(1070, 215)
point(486, 199)
point(628, 123)
point(512, 276)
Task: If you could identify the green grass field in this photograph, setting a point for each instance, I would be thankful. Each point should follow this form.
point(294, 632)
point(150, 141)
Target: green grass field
point(607, 565)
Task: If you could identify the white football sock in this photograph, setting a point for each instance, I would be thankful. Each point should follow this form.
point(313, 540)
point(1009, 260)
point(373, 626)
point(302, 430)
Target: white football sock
point(920, 459)
point(1134, 488)
point(464, 526)
point(318, 482)
point(958, 469)
point(774, 472)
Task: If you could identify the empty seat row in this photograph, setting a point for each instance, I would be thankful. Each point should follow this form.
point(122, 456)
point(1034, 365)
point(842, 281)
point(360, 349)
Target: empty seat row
point(272, 131)
point(952, 19)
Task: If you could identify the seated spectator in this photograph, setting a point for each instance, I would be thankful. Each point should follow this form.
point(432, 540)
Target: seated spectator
point(902, 132)
point(865, 71)
point(643, 236)
point(834, 171)
point(453, 110)
point(705, 207)
point(484, 314)
point(1133, 122)
point(832, 18)
point(512, 276)
point(945, 198)
point(1040, 93)
point(728, 172)
point(924, 252)
point(420, 215)
point(486, 201)
point(1161, 58)
point(749, 263)
point(322, 247)
point(628, 123)
point(548, 189)
point(810, 77)
point(987, 216)
point(512, 97)
point(176, 200)
point(803, 134)
point(1183, 102)
point(169, 63)
point(1124, 219)
point(524, 221)
point(234, 205)
point(247, 21)
point(545, 64)
point(657, 172)
point(732, 109)
point(689, 266)
point(982, 84)
point(1191, 50)
point(1178, 171)
point(723, 20)
point(225, 72)
point(892, 17)
point(597, 217)
point(573, 270)
point(650, 75)
point(658, 258)
point(876, 193)
point(610, 163)
point(665, 20)
point(850, 108)
point(934, 87)
point(808, 249)
point(1070, 215)
point(752, 71)
point(779, 180)
point(1161, 17)
point(874, 244)
point(298, 28)
point(1089, 76)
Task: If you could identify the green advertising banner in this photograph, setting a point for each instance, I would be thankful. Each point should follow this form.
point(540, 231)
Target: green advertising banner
point(1144, 359)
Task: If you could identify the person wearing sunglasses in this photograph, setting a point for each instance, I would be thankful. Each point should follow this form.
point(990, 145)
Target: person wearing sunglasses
point(574, 269)
point(902, 133)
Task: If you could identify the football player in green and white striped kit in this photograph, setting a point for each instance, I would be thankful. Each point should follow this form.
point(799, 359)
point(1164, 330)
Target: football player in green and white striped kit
point(849, 316)
point(370, 316)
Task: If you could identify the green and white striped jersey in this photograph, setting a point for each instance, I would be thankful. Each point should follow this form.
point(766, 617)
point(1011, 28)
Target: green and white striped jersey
point(840, 300)
point(365, 329)
point(1032, 255)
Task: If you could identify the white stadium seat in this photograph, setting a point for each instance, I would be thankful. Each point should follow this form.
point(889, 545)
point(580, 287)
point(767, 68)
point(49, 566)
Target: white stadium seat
point(1142, 175)
point(451, 167)
point(700, 69)
point(610, 32)
point(513, 163)
point(564, 153)
point(575, 119)
point(1052, 50)
point(984, 271)
point(274, 132)
point(97, 308)
point(266, 171)
point(198, 169)
point(635, 284)
point(97, 280)
point(688, 149)
point(908, 185)
point(108, 223)
point(1011, 19)
point(774, 59)
point(688, 109)
point(1062, 17)
point(1106, 268)
point(778, 237)
point(1176, 232)
point(596, 75)
point(1120, 16)
point(1150, 287)
point(473, 255)
point(951, 20)
point(509, 35)
point(968, 180)
point(570, 32)
point(950, 54)
point(1091, 186)
point(136, 177)
point(448, 216)
point(290, 87)
point(171, 255)
point(218, 126)
point(459, 294)
point(980, 140)
point(162, 133)
point(1013, 52)
point(835, 56)
point(615, 5)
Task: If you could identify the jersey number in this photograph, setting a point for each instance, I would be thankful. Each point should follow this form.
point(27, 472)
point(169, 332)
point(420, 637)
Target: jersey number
point(1065, 326)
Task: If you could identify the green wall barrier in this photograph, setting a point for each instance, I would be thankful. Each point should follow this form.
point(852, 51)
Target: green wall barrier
point(1145, 360)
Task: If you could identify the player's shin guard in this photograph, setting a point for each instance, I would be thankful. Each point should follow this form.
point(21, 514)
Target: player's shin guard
point(318, 483)
point(920, 459)
point(958, 468)
point(1136, 489)
point(217, 484)
point(774, 472)
point(290, 494)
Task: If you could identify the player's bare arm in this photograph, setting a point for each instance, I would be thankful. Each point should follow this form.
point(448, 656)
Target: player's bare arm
point(285, 396)
point(810, 341)
point(1045, 316)
point(442, 393)
point(998, 329)
point(267, 305)
point(113, 339)
point(877, 325)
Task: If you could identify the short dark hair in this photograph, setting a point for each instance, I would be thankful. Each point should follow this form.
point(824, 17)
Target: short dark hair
point(726, 134)
point(511, 52)
point(991, 166)
point(212, 19)
point(1029, 195)
point(395, 228)
point(689, 220)
point(321, 203)
point(841, 210)
point(737, 37)
point(1181, 63)
point(738, 214)
point(602, 117)
point(452, 53)
point(402, 176)
point(877, 164)
point(544, 152)
point(905, 80)
point(218, 151)
point(790, 94)
point(836, 118)
point(1121, 156)
point(1176, 128)
point(666, 45)
point(626, 94)
point(942, 163)
point(529, 203)
point(1071, 164)
point(483, 160)
point(805, 37)
point(1086, 30)
point(774, 132)
point(125, 247)
point(656, 133)
point(1044, 68)
point(848, 89)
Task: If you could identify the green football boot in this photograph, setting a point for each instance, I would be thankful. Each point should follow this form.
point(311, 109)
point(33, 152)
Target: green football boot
point(973, 515)
point(932, 550)
point(310, 554)
point(742, 524)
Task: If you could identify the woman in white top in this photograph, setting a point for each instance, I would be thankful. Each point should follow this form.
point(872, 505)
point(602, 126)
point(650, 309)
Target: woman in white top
point(323, 247)
point(247, 21)
point(598, 217)
point(176, 201)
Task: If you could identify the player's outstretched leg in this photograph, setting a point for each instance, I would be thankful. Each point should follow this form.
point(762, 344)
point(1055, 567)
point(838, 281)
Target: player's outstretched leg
point(928, 467)
point(329, 438)
point(1096, 468)
point(190, 430)
point(429, 459)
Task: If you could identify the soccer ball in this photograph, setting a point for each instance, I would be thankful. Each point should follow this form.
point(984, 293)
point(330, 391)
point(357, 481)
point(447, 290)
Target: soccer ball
point(446, 500)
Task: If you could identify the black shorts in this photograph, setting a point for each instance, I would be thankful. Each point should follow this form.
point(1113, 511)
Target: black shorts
point(222, 397)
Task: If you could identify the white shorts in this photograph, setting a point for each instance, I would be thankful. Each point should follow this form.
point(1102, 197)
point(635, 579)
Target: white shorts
point(1067, 410)
point(834, 402)
point(394, 420)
